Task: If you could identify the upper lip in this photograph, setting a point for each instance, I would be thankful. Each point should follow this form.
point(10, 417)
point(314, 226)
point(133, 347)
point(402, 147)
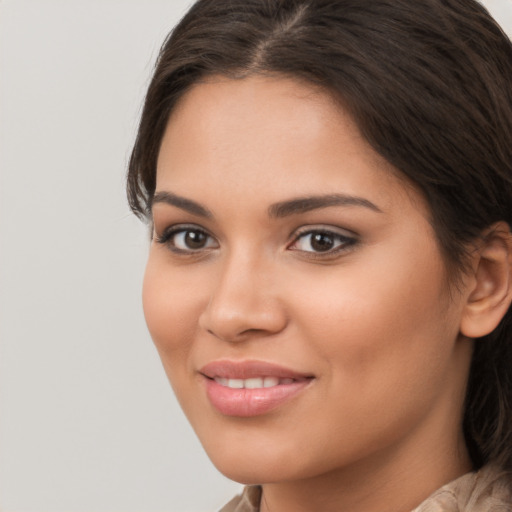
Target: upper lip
point(249, 369)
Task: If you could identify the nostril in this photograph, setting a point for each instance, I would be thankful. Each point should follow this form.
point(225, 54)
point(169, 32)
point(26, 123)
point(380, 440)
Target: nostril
point(236, 337)
point(233, 317)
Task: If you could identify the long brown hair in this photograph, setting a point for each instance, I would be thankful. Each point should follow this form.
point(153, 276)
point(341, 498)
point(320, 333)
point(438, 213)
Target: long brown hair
point(428, 82)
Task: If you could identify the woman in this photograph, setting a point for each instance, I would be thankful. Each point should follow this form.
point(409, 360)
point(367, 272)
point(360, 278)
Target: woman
point(329, 185)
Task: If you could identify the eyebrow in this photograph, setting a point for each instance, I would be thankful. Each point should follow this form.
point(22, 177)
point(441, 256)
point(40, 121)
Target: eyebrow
point(277, 210)
point(306, 204)
point(182, 203)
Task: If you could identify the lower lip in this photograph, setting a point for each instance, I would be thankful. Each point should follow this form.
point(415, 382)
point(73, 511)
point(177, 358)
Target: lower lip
point(251, 402)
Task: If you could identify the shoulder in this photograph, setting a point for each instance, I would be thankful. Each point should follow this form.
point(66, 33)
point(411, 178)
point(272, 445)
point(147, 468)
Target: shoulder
point(486, 490)
point(248, 501)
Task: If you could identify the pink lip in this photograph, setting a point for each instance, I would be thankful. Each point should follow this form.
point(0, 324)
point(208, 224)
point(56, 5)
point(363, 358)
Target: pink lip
point(250, 402)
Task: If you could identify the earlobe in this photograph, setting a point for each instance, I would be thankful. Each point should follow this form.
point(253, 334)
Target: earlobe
point(491, 293)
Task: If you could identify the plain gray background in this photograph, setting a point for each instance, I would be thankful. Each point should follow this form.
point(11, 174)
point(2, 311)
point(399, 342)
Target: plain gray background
point(88, 420)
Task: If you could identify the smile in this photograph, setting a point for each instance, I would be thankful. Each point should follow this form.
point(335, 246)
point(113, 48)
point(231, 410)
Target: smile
point(251, 388)
point(253, 383)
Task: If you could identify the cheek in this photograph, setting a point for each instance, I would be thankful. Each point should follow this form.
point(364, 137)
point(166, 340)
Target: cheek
point(171, 310)
point(381, 324)
point(385, 344)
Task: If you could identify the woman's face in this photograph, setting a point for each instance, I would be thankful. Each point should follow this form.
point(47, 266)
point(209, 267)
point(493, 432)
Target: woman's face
point(295, 290)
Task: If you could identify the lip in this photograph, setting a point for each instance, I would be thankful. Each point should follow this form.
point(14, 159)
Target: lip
point(249, 369)
point(250, 402)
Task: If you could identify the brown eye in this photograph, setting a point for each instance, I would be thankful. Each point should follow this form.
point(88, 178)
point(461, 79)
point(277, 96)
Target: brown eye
point(191, 240)
point(322, 241)
point(195, 239)
point(187, 240)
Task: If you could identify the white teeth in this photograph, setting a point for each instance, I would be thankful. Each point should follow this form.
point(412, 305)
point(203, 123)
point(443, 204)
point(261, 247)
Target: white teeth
point(236, 383)
point(252, 383)
point(269, 382)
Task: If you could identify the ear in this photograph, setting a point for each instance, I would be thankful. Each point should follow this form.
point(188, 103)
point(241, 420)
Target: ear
point(490, 290)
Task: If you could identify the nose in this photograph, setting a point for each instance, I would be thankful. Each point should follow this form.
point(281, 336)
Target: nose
point(243, 302)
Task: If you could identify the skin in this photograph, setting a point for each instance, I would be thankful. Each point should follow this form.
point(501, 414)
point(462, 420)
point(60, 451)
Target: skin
point(374, 320)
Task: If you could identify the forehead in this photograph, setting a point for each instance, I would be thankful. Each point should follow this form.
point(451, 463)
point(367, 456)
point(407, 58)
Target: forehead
point(270, 136)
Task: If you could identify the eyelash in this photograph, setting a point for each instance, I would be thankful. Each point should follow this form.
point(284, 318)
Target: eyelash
point(341, 242)
point(167, 236)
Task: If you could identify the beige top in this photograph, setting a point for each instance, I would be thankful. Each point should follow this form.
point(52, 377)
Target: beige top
point(487, 490)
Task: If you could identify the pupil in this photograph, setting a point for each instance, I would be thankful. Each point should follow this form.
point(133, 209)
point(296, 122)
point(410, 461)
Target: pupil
point(195, 239)
point(322, 242)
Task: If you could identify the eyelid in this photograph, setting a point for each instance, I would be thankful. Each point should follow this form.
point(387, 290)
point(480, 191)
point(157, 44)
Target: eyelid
point(171, 231)
point(324, 228)
point(349, 240)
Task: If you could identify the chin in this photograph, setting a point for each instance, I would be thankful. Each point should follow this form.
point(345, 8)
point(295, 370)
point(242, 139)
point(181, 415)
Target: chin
point(245, 466)
point(265, 462)
point(252, 472)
